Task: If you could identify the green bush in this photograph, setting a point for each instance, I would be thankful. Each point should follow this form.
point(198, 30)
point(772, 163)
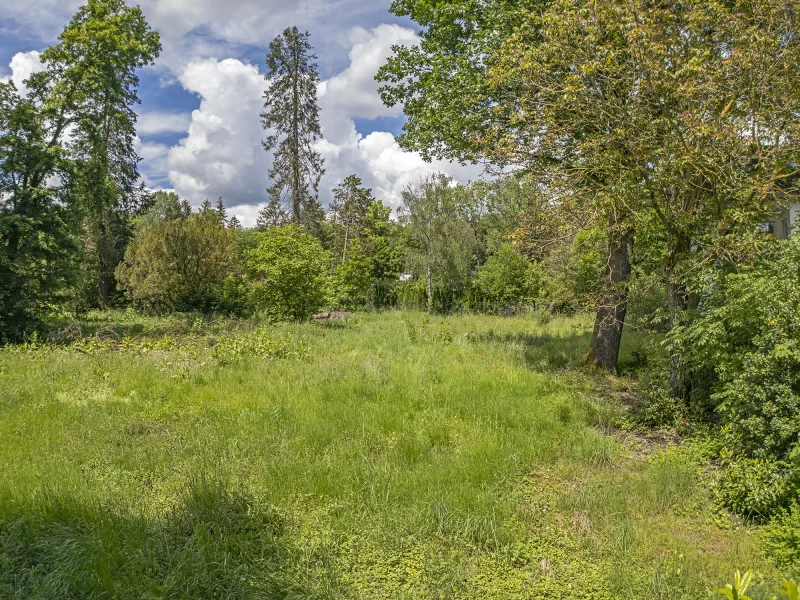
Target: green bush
point(755, 488)
point(287, 269)
point(350, 284)
point(502, 281)
point(178, 264)
point(780, 539)
point(746, 343)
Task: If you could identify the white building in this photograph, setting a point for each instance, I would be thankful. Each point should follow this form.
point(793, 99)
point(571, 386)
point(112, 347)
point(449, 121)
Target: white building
point(788, 223)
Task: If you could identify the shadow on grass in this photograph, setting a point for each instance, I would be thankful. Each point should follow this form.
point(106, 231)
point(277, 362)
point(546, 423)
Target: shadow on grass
point(544, 351)
point(216, 544)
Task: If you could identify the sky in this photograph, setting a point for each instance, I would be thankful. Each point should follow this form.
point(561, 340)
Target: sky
point(199, 131)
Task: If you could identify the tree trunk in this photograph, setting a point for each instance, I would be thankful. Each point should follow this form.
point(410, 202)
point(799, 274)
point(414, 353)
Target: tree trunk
point(679, 301)
point(430, 285)
point(607, 336)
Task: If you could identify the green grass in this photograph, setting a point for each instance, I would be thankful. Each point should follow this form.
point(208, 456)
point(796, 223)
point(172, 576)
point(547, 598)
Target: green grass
point(393, 457)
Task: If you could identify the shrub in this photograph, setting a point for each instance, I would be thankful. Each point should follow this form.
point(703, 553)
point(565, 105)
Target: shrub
point(178, 264)
point(754, 488)
point(780, 540)
point(502, 281)
point(746, 340)
point(350, 285)
point(287, 269)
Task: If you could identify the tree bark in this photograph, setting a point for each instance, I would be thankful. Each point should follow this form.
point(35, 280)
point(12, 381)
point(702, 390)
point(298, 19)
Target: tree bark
point(678, 301)
point(610, 322)
point(430, 285)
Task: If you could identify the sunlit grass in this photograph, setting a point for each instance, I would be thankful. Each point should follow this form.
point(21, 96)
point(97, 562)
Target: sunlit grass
point(399, 456)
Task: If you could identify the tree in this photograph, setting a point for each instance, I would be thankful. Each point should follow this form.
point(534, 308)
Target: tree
point(36, 242)
point(442, 82)
point(385, 251)
point(292, 116)
point(272, 215)
point(502, 280)
point(207, 209)
point(457, 110)
point(90, 83)
point(670, 120)
point(348, 213)
point(441, 240)
point(222, 214)
point(177, 263)
point(287, 268)
point(682, 115)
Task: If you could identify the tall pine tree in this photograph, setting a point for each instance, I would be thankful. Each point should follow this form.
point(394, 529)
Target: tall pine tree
point(291, 117)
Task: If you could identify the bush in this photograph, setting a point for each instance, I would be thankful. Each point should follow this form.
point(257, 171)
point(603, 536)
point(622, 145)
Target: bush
point(747, 337)
point(504, 280)
point(350, 285)
point(780, 540)
point(178, 264)
point(755, 488)
point(287, 269)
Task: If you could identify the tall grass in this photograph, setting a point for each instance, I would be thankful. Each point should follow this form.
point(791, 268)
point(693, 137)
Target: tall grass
point(396, 456)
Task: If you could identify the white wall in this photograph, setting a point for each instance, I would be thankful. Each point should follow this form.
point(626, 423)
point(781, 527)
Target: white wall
point(794, 217)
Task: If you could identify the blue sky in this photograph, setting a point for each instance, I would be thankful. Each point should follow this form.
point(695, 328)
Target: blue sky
point(199, 131)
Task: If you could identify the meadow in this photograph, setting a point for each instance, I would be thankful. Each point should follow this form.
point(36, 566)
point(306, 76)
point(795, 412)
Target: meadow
point(392, 456)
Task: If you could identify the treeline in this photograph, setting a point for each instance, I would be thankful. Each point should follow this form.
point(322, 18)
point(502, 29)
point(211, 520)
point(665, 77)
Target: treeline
point(448, 250)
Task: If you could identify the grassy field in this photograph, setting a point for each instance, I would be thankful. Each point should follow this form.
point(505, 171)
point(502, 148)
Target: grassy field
point(394, 456)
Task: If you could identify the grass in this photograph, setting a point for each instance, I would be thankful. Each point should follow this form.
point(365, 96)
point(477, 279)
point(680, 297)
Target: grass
point(394, 456)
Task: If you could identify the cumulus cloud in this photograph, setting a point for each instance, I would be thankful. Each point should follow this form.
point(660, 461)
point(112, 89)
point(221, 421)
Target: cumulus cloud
point(354, 91)
point(222, 154)
point(23, 65)
point(353, 94)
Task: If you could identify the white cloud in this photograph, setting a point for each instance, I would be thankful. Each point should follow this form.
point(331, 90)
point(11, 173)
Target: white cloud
point(353, 94)
point(355, 91)
point(153, 123)
point(222, 154)
point(23, 65)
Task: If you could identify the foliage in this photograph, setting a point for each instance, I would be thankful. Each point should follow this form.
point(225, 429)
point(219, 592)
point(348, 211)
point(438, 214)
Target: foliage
point(746, 338)
point(441, 243)
point(261, 343)
point(442, 82)
point(91, 73)
point(178, 264)
point(348, 214)
point(741, 583)
point(505, 280)
point(287, 269)
point(737, 590)
point(272, 215)
point(36, 243)
point(292, 117)
point(350, 282)
point(780, 539)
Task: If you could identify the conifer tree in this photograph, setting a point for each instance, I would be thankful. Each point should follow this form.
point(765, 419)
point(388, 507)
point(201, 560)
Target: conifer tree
point(221, 212)
point(291, 117)
point(272, 215)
